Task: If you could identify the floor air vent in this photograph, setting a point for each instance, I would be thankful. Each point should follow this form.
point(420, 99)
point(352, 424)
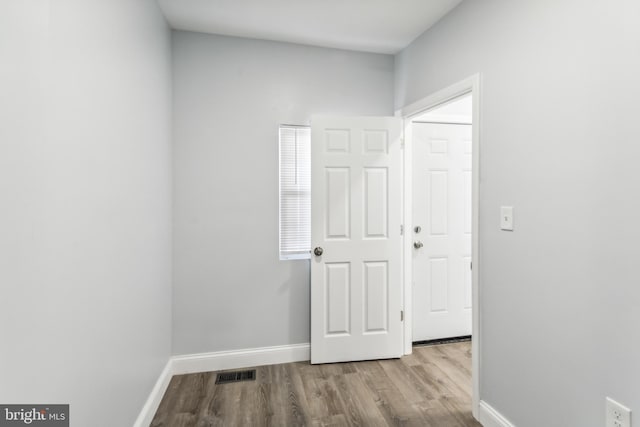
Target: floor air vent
point(235, 376)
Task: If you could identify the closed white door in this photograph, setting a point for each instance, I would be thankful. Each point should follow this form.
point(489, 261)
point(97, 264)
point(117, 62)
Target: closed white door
point(442, 231)
point(356, 242)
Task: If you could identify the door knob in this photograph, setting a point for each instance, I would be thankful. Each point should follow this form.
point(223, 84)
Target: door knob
point(318, 251)
point(417, 244)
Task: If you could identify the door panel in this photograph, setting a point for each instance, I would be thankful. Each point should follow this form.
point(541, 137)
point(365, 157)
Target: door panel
point(442, 208)
point(337, 207)
point(338, 291)
point(437, 201)
point(356, 206)
point(376, 297)
point(376, 203)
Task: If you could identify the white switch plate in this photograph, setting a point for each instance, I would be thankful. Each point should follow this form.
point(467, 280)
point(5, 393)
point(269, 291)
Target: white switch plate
point(506, 218)
point(617, 415)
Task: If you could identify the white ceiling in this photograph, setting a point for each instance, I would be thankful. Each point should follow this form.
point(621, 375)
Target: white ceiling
point(383, 26)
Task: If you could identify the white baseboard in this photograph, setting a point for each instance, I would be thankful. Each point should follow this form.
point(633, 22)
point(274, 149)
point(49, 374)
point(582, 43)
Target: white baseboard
point(216, 361)
point(489, 417)
point(234, 359)
point(153, 401)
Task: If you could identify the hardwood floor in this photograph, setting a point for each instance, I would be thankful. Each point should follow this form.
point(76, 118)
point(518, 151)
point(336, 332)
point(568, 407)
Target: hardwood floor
point(430, 388)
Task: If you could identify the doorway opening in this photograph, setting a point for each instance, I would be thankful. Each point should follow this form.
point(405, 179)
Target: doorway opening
point(441, 194)
point(442, 149)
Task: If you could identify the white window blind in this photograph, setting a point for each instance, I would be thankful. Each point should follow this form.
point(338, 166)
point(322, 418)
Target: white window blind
point(295, 192)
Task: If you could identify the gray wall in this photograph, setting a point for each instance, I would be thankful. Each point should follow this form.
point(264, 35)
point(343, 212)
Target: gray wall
point(560, 128)
point(231, 291)
point(85, 247)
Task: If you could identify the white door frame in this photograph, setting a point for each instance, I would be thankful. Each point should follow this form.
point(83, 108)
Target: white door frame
point(468, 85)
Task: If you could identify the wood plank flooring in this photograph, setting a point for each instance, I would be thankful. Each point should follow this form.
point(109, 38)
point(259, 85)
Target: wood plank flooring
point(430, 388)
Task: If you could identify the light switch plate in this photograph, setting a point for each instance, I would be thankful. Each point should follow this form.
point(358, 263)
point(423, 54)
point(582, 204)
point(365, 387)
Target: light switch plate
point(506, 218)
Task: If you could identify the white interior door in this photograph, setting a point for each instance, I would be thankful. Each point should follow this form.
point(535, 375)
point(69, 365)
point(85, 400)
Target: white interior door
point(356, 209)
point(442, 291)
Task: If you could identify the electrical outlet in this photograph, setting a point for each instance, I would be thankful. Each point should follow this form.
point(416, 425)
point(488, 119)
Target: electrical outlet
point(617, 415)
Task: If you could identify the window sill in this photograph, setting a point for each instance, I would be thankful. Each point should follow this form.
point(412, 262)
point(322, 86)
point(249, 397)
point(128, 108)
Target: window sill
point(295, 257)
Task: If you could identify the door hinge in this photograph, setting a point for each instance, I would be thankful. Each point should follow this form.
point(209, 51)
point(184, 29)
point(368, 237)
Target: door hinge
point(401, 229)
point(470, 265)
point(401, 143)
point(402, 315)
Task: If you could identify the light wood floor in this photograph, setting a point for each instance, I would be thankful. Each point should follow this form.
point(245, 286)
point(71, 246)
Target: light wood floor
point(431, 387)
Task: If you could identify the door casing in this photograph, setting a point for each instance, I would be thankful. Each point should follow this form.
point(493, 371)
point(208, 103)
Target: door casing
point(469, 85)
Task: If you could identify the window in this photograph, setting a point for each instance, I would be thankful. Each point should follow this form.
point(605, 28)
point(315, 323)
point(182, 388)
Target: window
point(295, 192)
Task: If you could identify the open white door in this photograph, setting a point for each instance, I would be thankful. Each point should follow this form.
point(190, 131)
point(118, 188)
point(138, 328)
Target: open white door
point(356, 206)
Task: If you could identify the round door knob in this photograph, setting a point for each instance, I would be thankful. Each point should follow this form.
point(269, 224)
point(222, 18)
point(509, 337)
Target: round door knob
point(318, 251)
point(418, 244)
